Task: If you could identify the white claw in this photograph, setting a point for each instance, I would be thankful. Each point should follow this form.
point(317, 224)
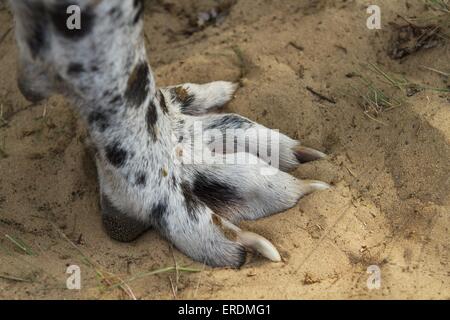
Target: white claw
point(310, 186)
point(260, 245)
point(319, 185)
point(255, 241)
point(305, 154)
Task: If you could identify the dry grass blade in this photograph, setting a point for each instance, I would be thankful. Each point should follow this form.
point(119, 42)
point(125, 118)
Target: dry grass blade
point(401, 83)
point(108, 278)
point(159, 271)
point(374, 100)
point(199, 281)
point(442, 73)
point(21, 245)
point(378, 90)
point(174, 289)
point(439, 5)
point(177, 275)
point(114, 280)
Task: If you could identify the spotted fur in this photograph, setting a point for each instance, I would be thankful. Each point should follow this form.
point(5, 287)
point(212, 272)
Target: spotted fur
point(141, 133)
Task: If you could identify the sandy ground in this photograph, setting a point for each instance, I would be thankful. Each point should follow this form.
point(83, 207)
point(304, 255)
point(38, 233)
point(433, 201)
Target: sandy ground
point(389, 207)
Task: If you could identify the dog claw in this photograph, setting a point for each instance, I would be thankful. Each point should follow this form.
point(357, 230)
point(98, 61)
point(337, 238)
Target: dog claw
point(310, 186)
point(255, 242)
point(305, 154)
point(260, 245)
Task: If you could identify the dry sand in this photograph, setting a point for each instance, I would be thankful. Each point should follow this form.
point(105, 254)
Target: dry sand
point(389, 207)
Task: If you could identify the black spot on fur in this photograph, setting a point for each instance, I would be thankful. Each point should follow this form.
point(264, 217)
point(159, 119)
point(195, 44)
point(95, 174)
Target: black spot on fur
point(181, 96)
point(191, 201)
point(141, 179)
point(75, 68)
point(115, 12)
point(162, 102)
point(215, 194)
point(106, 93)
point(158, 214)
point(173, 182)
point(115, 99)
point(152, 118)
point(139, 6)
point(99, 119)
point(38, 24)
point(58, 15)
point(230, 121)
point(138, 85)
point(116, 155)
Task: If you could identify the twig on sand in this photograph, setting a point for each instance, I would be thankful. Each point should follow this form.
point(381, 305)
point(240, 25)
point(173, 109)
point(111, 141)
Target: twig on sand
point(350, 171)
point(320, 95)
point(296, 46)
point(13, 278)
